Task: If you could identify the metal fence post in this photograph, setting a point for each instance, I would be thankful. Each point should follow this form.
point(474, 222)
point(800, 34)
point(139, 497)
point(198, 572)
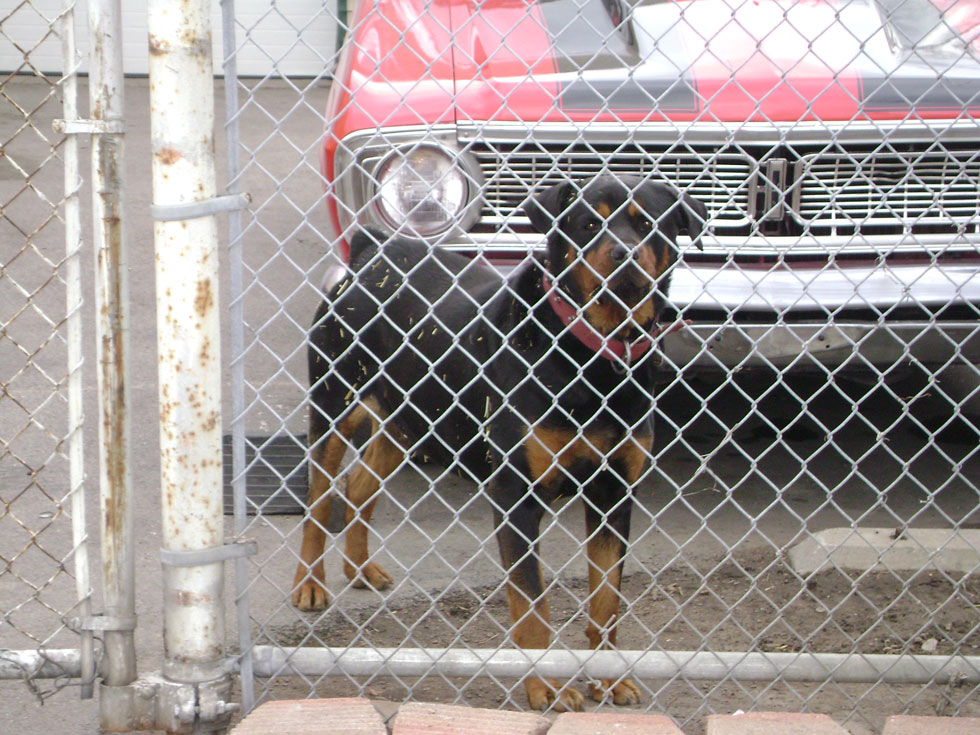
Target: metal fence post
point(73, 309)
point(106, 103)
point(236, 341)
point(186, 246)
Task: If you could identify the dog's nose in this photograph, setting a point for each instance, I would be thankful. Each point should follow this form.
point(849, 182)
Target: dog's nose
point(620, 252)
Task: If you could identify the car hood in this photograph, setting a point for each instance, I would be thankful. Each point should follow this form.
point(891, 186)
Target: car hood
point(423, 62)
point(715, 60)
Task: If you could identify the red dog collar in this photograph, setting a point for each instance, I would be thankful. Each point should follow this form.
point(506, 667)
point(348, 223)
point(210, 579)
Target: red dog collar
point(610, 348)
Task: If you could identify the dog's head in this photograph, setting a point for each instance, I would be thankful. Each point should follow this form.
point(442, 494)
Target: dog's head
point(611, 244)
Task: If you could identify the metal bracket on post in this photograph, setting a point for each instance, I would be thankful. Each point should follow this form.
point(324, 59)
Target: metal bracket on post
point(193, 210)
point(200, 557)
point(103, 623)
point(89, 127)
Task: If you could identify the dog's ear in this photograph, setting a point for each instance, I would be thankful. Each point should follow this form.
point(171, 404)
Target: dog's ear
point(689, 213)
point(544, 207)
point(694, 216)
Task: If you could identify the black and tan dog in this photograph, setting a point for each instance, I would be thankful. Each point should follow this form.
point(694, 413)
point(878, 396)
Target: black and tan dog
point(539, 386)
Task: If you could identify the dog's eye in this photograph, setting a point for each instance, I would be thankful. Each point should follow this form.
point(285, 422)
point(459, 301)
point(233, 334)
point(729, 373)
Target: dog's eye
point(592, 224)
point(646, 224)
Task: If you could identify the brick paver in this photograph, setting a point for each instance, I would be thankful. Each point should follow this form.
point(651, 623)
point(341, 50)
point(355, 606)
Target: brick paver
point(351, 716)
point(596, 723)
point(912, 725)
point(772, 723)
point(356, 716)
point(417, 718)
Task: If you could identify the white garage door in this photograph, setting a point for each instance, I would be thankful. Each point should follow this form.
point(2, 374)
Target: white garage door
point(273, 37)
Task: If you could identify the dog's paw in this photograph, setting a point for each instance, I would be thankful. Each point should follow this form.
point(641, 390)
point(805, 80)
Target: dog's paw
point(622, 691)
point(545, 693)
point(370, 574)
point(311, 596)
point(309, 589)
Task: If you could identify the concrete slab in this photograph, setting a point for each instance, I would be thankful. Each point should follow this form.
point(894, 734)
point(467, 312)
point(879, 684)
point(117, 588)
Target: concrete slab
point(416, 718)
point(915, 725)
point(956, 551)
point(349, 716)
point(772, 723)
point(601, 723)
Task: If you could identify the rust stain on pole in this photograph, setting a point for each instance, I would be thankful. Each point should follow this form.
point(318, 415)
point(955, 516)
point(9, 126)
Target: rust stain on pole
point(204, 299)
point(168, 156)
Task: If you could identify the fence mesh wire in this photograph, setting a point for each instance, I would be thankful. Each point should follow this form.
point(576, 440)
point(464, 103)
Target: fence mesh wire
point(828, 380)
point(39, 289)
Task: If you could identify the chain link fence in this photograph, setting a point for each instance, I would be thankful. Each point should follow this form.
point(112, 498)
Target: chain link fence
point(824, 396)
point(43, 555)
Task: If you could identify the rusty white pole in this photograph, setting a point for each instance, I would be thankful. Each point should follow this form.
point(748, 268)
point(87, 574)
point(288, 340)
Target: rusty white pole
point(186, 251)
point(111, 305)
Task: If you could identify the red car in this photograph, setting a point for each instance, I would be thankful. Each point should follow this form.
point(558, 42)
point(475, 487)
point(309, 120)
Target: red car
point(835, 143)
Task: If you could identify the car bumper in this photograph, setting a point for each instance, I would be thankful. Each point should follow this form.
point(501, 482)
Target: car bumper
point(750, 318)
point(820, 318)
point(896, 348)
point(829, 289)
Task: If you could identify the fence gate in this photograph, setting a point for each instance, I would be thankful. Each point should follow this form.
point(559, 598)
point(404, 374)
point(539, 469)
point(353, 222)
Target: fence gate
point(796, 412)
point(44, 579)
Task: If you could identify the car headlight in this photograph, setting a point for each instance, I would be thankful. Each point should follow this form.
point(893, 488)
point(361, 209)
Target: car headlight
point(422, 190)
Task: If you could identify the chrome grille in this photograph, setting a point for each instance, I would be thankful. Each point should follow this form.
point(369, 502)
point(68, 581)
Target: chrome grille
point(917, 189)
point(719, 179)
point(888, 187)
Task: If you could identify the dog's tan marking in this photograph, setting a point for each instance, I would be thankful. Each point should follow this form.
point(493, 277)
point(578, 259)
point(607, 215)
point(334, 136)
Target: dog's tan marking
point(589, 274)
point(646, 259)
point(664, 261)
point(605, 316)
point(634, 454)
point(549, 451)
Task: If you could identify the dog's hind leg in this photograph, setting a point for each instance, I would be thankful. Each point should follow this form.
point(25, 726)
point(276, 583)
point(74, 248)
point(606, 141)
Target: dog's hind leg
point(327, 450)
point(380, 459)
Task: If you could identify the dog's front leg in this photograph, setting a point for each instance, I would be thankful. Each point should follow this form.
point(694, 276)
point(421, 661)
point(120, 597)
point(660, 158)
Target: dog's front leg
point(607, 522)
point(608, 506)
point(518, 523)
